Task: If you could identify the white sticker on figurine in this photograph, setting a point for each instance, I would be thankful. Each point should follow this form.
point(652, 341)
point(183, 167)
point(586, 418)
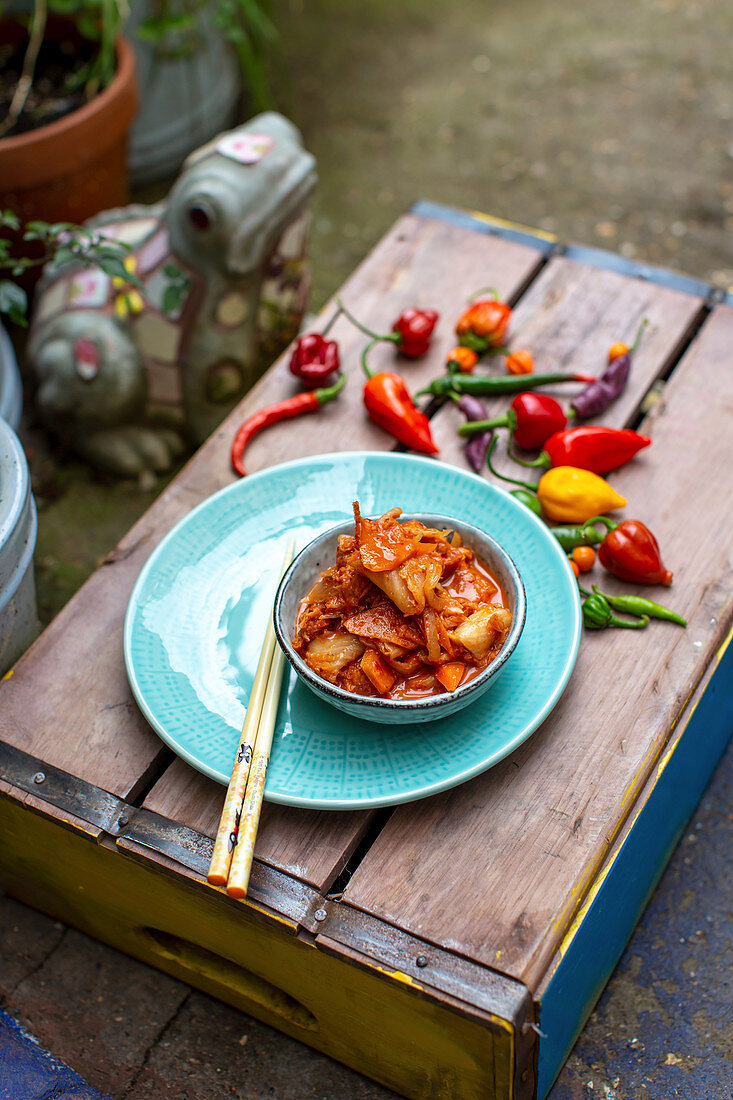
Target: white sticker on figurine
point(245, 148)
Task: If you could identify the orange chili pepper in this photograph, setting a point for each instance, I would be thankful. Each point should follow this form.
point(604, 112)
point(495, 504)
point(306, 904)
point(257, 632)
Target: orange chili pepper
point(584, 557)
point(463, 359)
point(520, 362)
point(617, 350)
point(484, 324)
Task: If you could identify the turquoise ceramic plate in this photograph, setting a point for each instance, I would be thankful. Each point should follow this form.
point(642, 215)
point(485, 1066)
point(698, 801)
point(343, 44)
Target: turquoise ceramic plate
point(199, 610)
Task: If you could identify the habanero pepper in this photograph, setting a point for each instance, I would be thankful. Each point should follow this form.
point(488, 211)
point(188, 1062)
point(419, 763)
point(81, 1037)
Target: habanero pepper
point(310, 401)
point(388, 403)
point(461, 359)
point(411, 332)
point(567, 494)
point(519, 362)
point(630, 552)
point(597, 614)
point(590, 447)
point(314, 359)
point(530, 418)
point(484, 324)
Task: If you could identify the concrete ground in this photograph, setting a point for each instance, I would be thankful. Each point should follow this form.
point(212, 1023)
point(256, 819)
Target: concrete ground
point(609, 125)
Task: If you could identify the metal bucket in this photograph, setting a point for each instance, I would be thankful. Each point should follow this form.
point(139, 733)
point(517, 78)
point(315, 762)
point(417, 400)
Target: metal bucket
point(18, 526)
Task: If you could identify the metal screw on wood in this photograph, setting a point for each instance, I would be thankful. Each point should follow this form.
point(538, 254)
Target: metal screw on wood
point(421, 961)
point(320, 914)
point(39, 777)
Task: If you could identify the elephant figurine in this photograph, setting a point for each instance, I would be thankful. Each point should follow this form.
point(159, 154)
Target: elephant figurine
point(130, 380)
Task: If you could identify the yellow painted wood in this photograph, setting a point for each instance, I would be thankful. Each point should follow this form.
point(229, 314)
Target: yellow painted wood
point(417, 1042)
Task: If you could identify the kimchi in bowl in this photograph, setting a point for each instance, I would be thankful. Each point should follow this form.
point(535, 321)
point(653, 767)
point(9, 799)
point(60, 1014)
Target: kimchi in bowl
point(369, 660)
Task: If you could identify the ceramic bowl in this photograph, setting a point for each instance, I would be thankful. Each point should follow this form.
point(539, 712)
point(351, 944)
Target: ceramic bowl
point(321, 553)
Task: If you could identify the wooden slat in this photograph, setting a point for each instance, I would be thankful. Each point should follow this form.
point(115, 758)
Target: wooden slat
point(495, 869)
point(309, 845)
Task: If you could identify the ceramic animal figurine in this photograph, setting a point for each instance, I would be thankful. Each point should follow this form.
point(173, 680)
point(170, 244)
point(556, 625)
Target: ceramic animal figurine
point(130, 380)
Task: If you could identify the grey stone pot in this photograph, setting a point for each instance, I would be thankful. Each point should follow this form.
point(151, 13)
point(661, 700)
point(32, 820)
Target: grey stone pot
point(18, 526)
point(183, 101)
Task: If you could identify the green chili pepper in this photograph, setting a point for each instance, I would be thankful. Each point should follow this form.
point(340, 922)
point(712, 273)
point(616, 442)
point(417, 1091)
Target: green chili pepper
point(494, 384)
point(530, 499)
point(638, 605)
point(570, 537)
point(597, 614)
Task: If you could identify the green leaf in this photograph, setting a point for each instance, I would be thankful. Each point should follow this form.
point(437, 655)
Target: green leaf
point(13, 302)
point(9, 219)
point(171, 299)
point(172, 271)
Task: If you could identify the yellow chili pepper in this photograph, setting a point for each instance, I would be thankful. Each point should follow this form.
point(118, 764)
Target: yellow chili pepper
point(570, 495)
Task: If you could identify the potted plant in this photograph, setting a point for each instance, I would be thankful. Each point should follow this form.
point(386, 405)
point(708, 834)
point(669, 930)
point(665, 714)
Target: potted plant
point(67, 97)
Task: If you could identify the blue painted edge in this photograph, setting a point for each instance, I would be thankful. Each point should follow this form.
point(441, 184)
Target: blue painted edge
point(637, 867)
point(545, 244)
point(31, 1073)
point(611, 261)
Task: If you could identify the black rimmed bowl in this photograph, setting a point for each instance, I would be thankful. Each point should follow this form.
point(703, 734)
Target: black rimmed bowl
point(320, 554)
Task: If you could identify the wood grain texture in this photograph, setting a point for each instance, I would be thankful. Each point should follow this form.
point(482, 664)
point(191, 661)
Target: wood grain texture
point(495, 869)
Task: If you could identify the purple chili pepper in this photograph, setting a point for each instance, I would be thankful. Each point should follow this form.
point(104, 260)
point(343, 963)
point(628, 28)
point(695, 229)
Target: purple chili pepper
point(596, 397)
point(478, 445)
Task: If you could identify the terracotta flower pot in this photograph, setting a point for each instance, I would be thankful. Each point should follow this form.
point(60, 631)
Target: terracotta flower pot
point(74, 167)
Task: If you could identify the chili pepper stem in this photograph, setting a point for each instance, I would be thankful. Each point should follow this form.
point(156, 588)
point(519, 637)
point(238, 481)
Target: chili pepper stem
point(637, 338)
point(542, 461)
point(485, 290)
point(524, 484)
point(392, 337)
point(609, 523)
point(365, 366)
point(475, 427)
point(327, 393)
point(332, 321)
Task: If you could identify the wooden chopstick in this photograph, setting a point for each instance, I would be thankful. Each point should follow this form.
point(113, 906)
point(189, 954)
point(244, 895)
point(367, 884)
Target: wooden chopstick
point(241, 864)
point(226, 835)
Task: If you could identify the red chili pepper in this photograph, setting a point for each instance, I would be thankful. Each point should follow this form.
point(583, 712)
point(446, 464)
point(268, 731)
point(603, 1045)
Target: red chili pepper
point(283, 410)
point(630, 551)
point(411, 332)
point(414, 327)
point(314, 359)
point(388, 403)
point(590, 447)
point(530, 418)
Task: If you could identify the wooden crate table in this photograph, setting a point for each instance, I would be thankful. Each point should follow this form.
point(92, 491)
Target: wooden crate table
point(450, 947)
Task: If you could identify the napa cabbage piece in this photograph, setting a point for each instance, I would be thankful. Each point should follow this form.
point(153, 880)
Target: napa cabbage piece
point(482, 630)
point(328, 653)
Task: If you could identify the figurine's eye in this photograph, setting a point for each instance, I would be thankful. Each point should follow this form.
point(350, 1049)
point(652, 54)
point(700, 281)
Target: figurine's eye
point(199, 217)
